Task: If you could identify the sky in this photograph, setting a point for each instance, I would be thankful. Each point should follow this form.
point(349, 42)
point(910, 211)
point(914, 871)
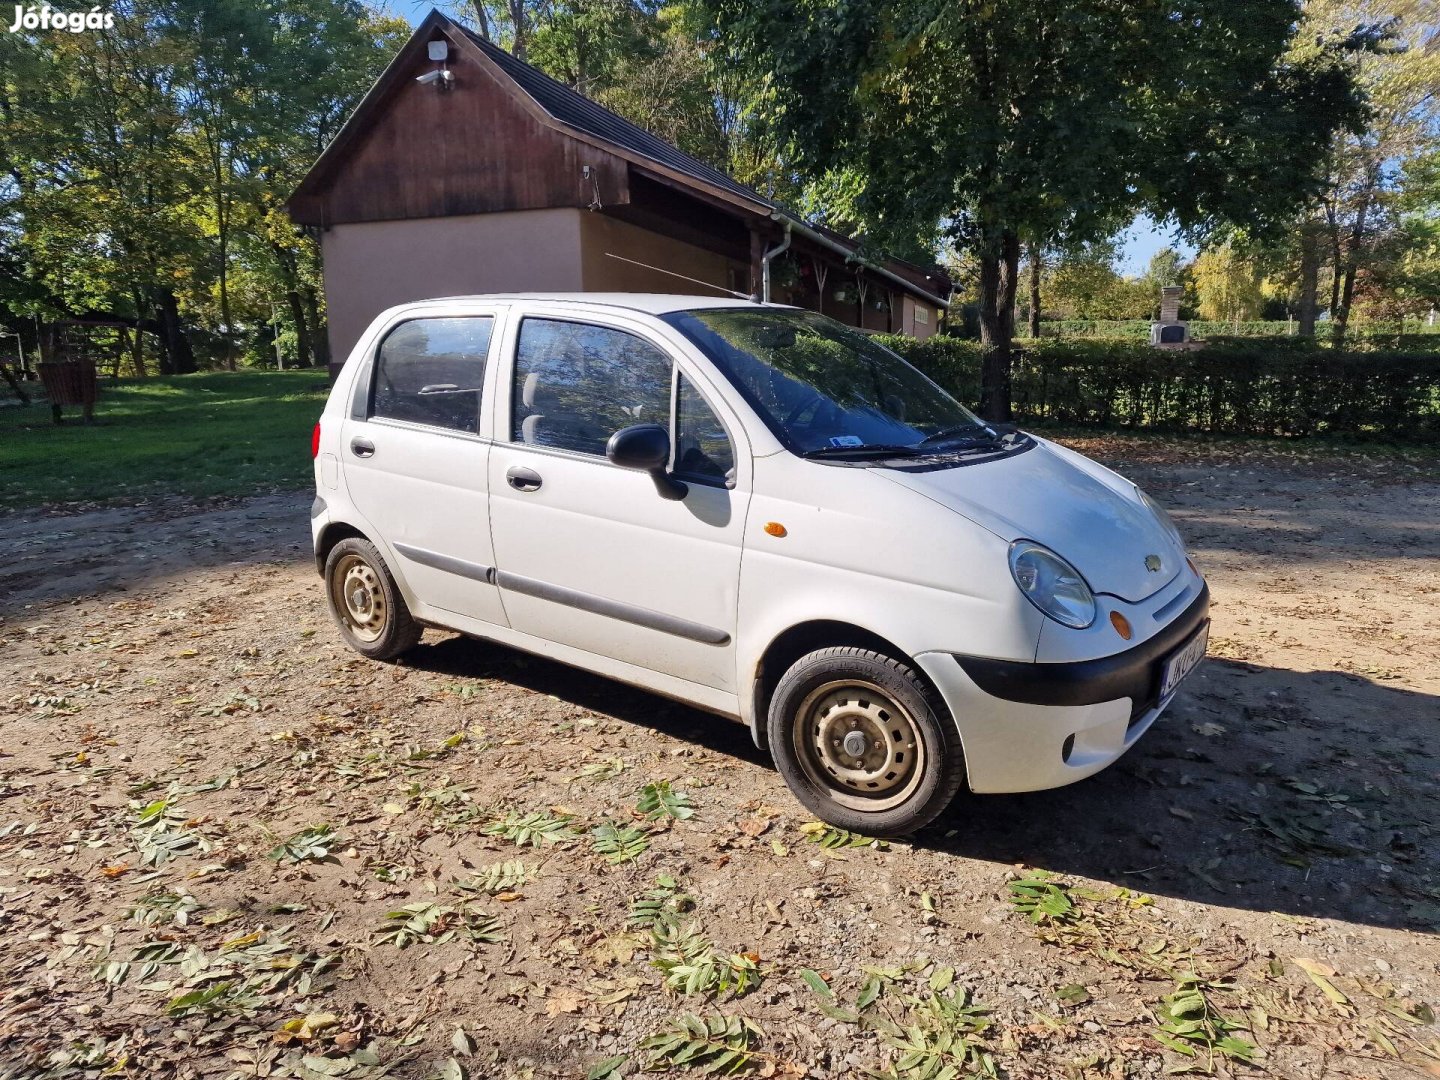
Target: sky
point(1142, 240)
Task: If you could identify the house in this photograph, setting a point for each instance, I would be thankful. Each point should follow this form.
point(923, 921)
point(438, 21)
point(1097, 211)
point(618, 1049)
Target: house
point(465, 170)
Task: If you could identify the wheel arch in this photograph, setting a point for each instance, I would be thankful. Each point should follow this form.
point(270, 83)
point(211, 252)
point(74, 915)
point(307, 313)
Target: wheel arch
point(331, 535)
point(805, 637)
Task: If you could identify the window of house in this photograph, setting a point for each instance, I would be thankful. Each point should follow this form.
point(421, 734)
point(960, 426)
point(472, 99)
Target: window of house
point(430, 371)
point(577, 384)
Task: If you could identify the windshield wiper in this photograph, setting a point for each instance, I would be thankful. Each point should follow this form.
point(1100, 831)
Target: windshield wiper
point(989, 438)
point(867, 450)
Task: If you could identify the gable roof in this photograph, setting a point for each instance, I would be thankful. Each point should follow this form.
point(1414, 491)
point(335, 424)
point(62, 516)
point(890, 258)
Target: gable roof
point(577, 111)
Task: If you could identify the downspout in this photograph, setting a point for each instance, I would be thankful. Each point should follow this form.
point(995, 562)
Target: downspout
point(824, 241)
point(778, 249)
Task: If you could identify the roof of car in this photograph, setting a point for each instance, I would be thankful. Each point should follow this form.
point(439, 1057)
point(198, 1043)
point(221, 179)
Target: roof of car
point(650, 303)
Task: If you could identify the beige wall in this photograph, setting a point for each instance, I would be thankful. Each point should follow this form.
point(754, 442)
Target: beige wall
point(910, 326)
point(370, 266)
point(604, 236)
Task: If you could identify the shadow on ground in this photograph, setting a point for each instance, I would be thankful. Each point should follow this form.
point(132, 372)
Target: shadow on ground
point(1237, 797)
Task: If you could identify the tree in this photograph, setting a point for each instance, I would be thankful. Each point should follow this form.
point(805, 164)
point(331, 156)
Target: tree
point(1400, 76)
point(98, 183)
point(1012, 120)
point(145, 164)
point(1228, 284)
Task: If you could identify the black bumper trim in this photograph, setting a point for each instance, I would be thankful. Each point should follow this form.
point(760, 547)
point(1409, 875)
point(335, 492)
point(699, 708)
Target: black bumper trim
point(317, 507)
point(1133, 674)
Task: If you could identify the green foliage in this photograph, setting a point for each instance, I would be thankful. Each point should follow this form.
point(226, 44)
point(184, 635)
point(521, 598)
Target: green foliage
point(428, 923)
point(619, 843)
point(1233, 386)
point(941, 1040)
point(662, 904)
point(535, 829)
point(147, 163)
point(716, 1045)
point(161, 832)
point(308, 845)
point(1190, 1024)
point(498, 877)
point(1042, 901)
point(828, 836)
point(690, 964)
point(659, 800)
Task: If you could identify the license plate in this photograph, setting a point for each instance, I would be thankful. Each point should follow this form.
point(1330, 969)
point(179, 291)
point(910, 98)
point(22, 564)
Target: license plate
point(1183, 661)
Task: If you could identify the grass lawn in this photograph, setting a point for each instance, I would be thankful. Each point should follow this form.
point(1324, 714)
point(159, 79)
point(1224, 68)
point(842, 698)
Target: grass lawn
point(218, 433)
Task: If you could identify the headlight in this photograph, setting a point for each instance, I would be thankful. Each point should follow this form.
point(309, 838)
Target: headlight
point(1163, 516)
point(1052, 584)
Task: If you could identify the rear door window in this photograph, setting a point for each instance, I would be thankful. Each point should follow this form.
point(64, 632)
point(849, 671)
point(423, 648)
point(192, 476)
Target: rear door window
point(430, 371)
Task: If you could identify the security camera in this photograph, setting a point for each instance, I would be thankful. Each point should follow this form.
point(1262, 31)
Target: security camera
point(443, 77)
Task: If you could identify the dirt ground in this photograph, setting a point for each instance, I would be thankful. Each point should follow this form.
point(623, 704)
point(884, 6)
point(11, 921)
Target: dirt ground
point(1261, 871)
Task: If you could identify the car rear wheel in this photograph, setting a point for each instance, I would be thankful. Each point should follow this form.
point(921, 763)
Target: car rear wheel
point(863, 742)
point(366, 603)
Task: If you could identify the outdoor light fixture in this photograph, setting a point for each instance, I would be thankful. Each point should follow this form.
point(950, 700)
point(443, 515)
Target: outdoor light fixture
point(438, 51)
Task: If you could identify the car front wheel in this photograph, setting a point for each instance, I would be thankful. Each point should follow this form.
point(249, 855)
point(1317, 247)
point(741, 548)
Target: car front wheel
point(863, 742)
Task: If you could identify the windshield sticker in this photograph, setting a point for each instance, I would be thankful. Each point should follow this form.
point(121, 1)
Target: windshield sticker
point(846, 440)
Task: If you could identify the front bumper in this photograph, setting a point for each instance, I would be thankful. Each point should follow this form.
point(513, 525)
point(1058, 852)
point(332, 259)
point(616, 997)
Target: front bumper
point(1027, 727)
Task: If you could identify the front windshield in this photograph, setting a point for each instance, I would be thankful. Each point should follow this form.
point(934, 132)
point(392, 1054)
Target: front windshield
point(823, 388)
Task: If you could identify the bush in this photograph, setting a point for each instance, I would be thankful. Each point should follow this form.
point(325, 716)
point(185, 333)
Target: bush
point(1237, 386)
point(1411, 335)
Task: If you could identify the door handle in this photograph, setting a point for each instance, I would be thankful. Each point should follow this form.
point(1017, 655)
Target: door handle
point(362, 447)
point(523, 479)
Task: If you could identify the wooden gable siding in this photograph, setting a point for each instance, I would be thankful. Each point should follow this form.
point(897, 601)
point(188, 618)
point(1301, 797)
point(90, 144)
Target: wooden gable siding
point(478, 147)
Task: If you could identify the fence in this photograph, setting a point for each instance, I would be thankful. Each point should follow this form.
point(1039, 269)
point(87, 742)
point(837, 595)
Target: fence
point(1231, 386)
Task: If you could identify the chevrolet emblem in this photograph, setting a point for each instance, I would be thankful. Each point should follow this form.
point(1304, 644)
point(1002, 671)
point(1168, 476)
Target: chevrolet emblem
point(1152, 563)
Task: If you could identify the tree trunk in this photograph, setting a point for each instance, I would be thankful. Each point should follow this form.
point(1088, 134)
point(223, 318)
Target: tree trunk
point(1034, 290)
point(481, 18)
point(15, 384)
point(303, 355)
point(1341, 316)
point(320, 332)
point(172, 334)
point(999, 273)
point(1309, 277)
point(518, 19)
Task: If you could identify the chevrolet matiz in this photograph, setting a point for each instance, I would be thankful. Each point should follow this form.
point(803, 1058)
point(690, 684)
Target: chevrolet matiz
point(768, 515)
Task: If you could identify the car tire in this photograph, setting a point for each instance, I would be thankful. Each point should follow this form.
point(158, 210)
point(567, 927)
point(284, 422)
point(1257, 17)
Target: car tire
point(863, 742)
point(365, 602)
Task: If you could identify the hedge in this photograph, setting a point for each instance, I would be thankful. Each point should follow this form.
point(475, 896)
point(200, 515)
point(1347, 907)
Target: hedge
point(1391, 334)
point(1233, 386)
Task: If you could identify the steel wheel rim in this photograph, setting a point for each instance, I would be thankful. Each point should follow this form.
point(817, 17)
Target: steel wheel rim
point(831, 724)
point(358, 596)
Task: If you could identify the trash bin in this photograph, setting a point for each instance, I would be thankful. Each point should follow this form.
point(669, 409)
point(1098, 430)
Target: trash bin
point(70, 382)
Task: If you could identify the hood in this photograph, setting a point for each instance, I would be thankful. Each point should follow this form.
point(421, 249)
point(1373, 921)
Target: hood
point(1082, 511)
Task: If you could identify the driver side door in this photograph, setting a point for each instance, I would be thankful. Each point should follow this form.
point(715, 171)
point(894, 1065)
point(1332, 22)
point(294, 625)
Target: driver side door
point(587, 553)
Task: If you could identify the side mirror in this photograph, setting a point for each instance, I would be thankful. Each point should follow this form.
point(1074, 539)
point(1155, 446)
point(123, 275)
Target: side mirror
point(646, 447)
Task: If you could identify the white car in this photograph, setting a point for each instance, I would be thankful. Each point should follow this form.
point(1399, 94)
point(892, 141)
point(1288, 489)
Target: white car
point(763, 513)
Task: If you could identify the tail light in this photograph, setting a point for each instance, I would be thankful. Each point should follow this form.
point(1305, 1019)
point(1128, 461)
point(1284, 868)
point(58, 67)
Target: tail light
point(315, 441)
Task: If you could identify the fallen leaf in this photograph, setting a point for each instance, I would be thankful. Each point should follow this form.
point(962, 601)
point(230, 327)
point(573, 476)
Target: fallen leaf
point(562, 999)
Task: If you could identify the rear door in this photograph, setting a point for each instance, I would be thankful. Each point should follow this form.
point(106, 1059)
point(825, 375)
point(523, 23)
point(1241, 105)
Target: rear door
point(589, 555)
point(416, 458)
